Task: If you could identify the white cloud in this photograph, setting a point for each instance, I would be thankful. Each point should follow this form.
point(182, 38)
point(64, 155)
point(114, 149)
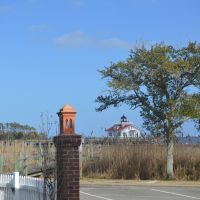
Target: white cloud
point(78, 38)
point(6, 9)
point(38, 28)
point(74, 39)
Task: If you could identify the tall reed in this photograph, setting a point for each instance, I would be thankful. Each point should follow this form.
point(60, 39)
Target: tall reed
point(142, 161)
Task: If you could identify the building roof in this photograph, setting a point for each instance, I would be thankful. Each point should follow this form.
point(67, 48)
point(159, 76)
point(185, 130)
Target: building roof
point(118, 127)
point(124, 119)
point(67, 108)
point(123, 124)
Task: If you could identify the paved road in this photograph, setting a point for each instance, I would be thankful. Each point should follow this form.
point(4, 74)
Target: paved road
point(139, 193)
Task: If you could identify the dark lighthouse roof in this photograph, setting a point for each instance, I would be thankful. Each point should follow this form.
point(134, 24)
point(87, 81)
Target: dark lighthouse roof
point(124, 119)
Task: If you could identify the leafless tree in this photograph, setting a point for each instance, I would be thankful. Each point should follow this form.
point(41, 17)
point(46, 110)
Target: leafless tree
point(47, 155)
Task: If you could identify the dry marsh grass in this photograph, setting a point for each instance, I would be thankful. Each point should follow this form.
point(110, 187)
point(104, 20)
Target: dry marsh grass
point(118, 161)
point(17, 155)
point(142, 161)
point(187, 162)
point(13, 153)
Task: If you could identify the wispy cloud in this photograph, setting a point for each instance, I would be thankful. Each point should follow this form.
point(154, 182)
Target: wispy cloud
point(38, 28)
point(78, 39)
point(74, 39)
point(6, 9)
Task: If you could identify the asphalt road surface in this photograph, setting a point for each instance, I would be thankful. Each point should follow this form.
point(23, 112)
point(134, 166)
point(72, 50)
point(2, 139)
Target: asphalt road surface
point(139, 192)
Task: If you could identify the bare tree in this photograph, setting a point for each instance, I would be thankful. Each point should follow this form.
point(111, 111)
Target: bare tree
point(48, 166)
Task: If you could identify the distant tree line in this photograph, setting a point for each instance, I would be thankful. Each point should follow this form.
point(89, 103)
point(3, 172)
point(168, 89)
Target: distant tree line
point(16, 131)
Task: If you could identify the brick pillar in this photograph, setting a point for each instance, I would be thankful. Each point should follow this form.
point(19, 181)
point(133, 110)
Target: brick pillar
point(67, 151)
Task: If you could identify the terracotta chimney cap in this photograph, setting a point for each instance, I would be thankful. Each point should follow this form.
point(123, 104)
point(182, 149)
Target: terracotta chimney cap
point(67, 108)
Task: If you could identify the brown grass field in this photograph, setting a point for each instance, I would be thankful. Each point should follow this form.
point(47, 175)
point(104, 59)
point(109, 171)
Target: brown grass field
point(114, 161)
point(17, 155)
point(141, 162)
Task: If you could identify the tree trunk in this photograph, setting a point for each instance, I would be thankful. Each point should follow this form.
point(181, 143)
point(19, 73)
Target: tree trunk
point(170, 158)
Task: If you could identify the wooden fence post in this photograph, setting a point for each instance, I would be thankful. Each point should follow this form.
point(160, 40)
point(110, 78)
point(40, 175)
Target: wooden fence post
point(1, 163)
point(16, 186)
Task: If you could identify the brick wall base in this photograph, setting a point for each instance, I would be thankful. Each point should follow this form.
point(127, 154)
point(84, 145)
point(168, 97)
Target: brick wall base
point(67, 152)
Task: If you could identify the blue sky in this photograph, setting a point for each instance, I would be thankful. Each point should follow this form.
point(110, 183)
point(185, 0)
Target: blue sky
point(50, 52)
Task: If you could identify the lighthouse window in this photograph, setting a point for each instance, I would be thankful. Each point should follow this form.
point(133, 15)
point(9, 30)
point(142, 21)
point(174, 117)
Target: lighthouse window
point(67, 123)
point(70, 123)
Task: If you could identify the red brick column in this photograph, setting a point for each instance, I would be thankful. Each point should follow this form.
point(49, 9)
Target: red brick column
point(68, 166)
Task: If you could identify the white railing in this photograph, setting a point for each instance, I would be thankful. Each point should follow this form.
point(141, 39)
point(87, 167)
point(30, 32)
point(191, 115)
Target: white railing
point(15, 187)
